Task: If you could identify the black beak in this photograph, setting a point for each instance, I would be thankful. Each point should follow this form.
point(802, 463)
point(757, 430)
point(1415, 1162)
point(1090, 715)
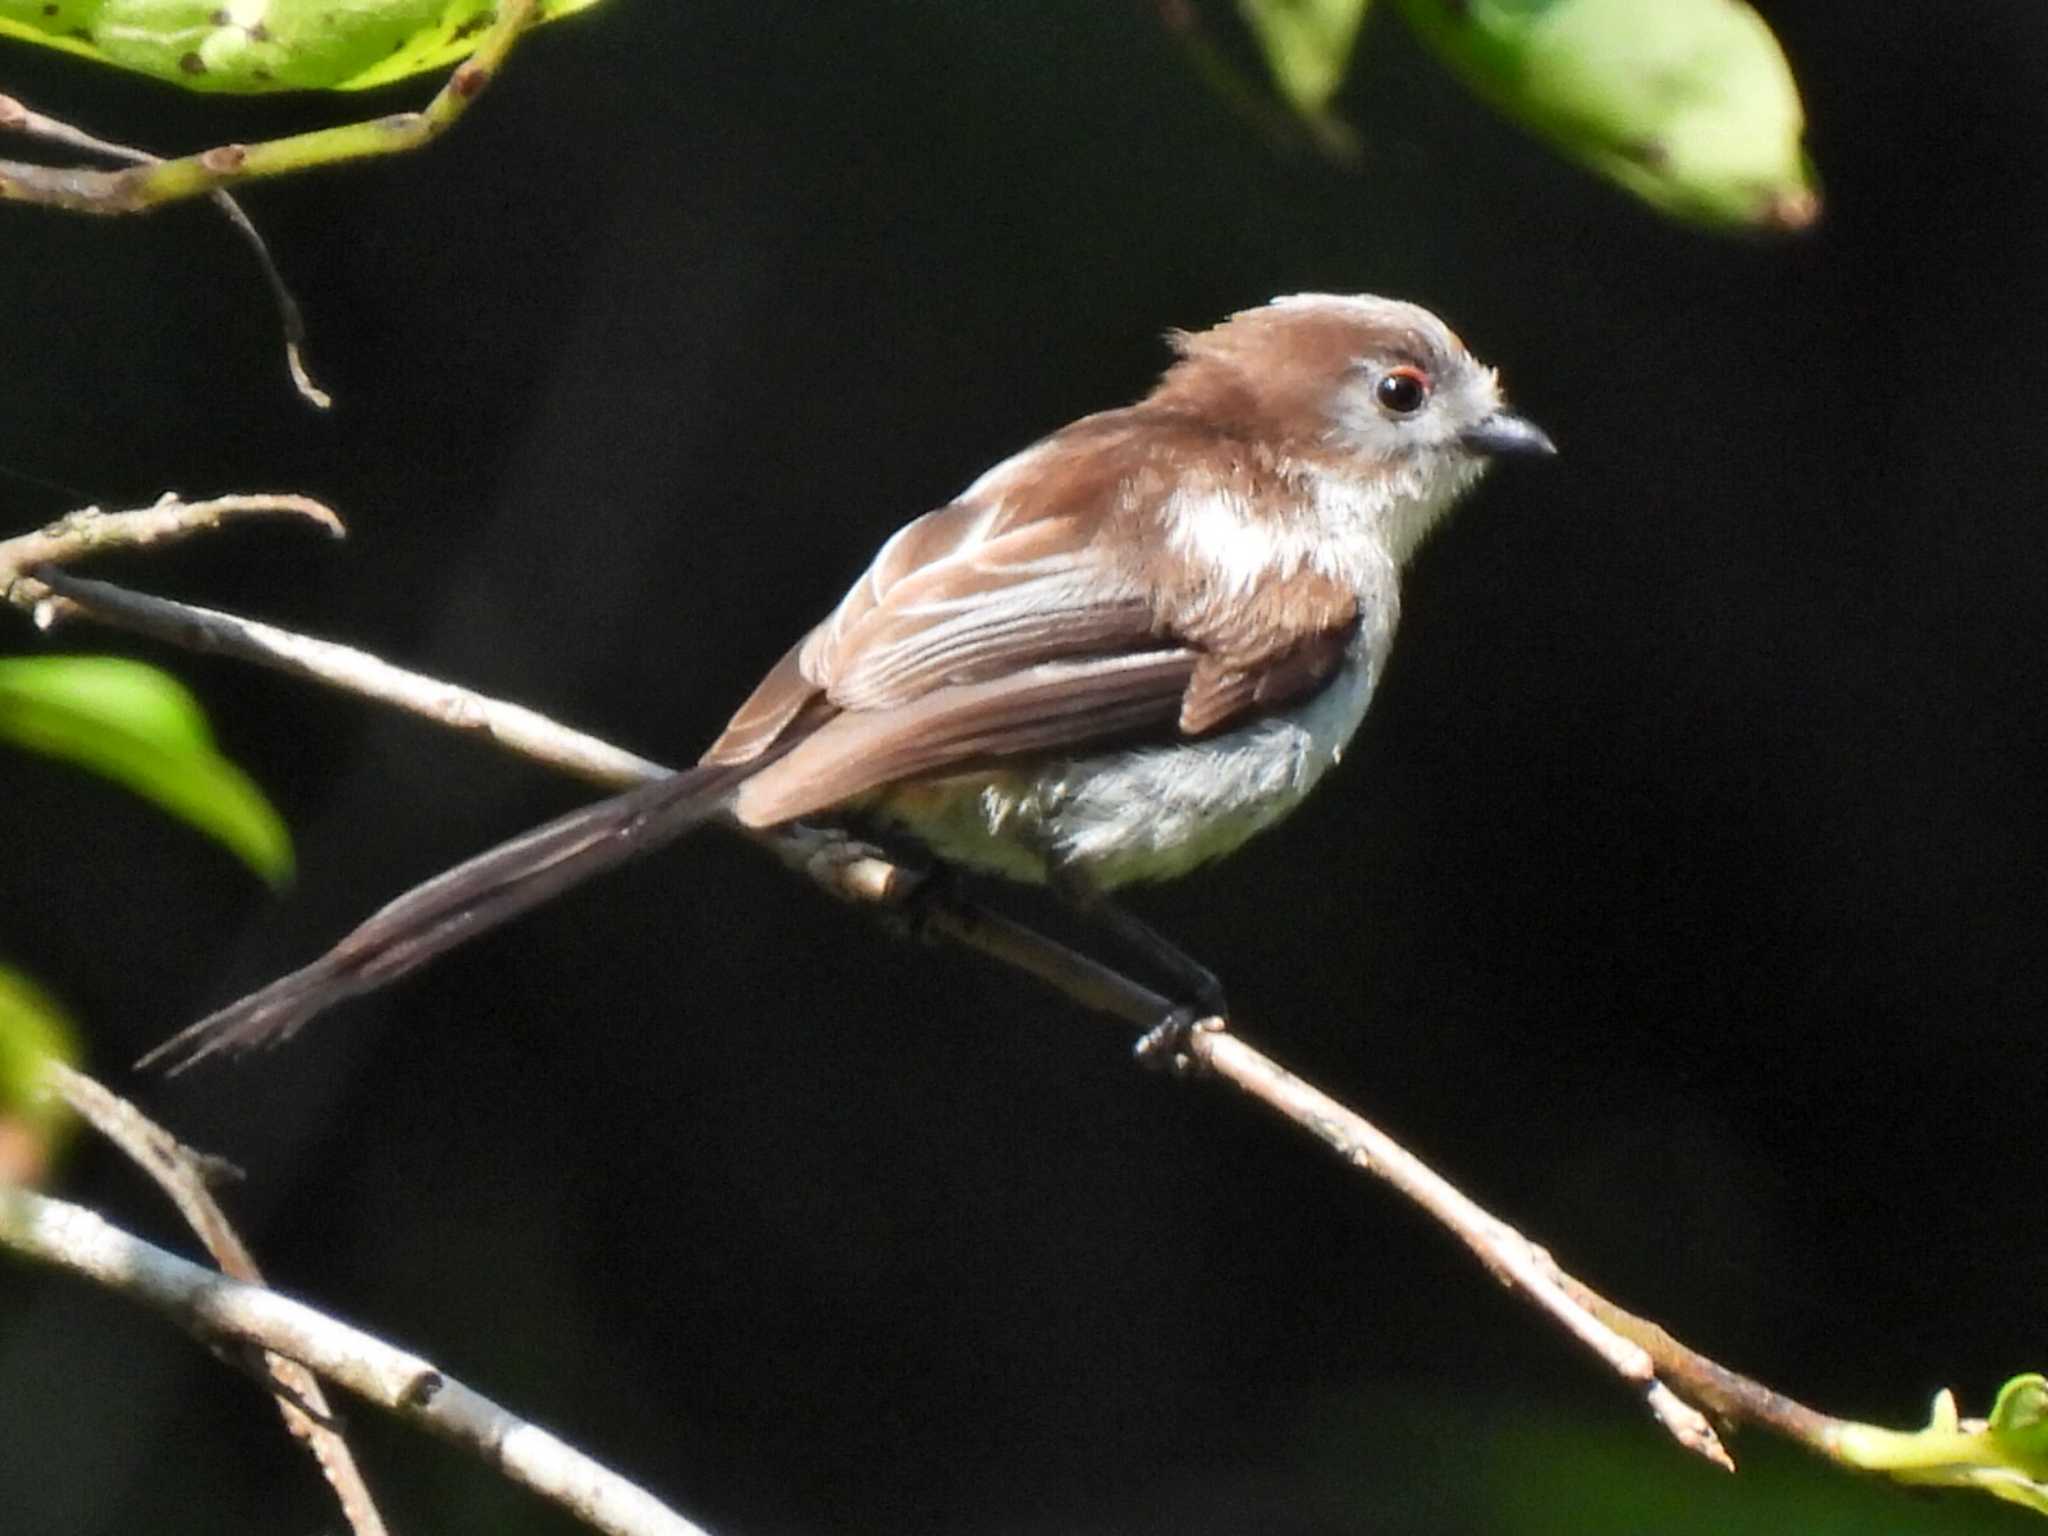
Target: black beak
point(1504, 435)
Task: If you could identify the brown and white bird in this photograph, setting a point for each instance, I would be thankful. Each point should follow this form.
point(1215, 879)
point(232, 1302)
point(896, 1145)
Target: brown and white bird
point(1116, 655)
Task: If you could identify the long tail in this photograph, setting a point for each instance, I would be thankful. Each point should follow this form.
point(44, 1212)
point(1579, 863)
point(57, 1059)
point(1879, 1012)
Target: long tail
point(457, 905)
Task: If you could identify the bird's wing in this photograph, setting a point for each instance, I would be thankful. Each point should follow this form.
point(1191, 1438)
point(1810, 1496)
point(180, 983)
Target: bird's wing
point(1011, 574)
point(1018, 623)
point(1045, 709)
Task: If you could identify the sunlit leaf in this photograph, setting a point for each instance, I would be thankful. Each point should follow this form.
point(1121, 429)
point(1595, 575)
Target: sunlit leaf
point(139, 727)
point(2005, 1456)
point(1689, 104)
point(33, 1033)
point(1308, 45)
point(1511, 1464)
point(286, 45)
point(2019, 1424)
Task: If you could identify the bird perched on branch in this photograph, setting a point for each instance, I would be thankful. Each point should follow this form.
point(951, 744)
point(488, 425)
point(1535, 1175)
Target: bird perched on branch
point(1115, 656)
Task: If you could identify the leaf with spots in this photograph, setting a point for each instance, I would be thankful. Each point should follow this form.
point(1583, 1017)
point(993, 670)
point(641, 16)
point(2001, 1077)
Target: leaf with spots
point(264, 45)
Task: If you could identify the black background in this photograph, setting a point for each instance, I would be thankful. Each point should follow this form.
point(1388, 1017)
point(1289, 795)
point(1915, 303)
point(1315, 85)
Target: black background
point(1682, 898)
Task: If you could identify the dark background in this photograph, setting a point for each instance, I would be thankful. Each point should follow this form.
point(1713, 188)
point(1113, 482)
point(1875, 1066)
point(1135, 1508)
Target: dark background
point(1683, 897)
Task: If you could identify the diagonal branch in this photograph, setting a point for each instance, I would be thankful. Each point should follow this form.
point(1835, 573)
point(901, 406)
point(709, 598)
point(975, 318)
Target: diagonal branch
point(182, 1174)
point(1680, 1385)
point(219, 1310)
point(517, 729)
point(865, 876)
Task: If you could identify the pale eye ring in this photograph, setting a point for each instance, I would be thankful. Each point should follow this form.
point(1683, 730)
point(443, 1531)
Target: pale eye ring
point(1402, 391)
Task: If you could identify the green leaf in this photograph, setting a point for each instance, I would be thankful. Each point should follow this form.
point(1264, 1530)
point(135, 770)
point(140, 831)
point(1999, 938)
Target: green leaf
point(2005, 1456)
point(2019, 1425)
point(1308, 46)
point(139, 727)
point(33, 1033)
point(1689, 104)
point(291, 45)
point(1522, 1463)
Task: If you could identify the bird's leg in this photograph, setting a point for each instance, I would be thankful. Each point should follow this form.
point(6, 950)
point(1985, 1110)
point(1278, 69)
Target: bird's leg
point(1165, 1044)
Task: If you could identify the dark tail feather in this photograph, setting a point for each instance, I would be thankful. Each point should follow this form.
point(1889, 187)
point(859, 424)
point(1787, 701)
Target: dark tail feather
point(470, 899)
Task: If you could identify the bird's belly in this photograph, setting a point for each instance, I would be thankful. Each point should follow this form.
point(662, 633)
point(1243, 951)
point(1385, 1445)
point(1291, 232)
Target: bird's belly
point(1141, 814)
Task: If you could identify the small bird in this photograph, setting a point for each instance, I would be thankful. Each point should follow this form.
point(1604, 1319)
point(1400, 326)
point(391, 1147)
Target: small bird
point(1118, 654)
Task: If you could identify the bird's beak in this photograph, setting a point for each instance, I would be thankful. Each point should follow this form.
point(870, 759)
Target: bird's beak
point(1504, 434)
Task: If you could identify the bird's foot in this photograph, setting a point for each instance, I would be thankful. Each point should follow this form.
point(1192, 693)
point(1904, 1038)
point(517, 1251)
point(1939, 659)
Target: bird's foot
point(1168, 1046)
point(928, 893)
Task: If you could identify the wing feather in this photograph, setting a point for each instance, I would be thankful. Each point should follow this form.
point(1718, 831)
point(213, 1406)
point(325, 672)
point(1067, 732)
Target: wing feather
point(1041, 709)
point(1005, 597)
point(1039, 615)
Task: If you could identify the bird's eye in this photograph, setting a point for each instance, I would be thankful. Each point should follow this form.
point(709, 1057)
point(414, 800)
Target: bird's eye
point(1402, 390)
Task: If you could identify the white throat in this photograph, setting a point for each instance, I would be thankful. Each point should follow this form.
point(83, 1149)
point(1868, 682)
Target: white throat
point(1350, 529)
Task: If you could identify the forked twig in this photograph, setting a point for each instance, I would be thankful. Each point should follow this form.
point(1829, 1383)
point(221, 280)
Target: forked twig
point(170, 517)
point(17, 117)
point(152, 181)
point(219, 1310)
point(182, 1175)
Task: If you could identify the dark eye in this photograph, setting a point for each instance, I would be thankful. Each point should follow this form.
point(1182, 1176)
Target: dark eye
point(1402, 390)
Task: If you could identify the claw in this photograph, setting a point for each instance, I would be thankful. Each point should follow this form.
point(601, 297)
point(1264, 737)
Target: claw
point(1165, 1046)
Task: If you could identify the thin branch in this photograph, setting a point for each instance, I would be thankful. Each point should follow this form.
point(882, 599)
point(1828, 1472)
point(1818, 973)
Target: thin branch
point(865, 876)
point(515, 728)
point(216, 1309)
point(181, 1174)
point(18, 117)
point(1676, 1381)
point(1515, 1261)
point(90, 530)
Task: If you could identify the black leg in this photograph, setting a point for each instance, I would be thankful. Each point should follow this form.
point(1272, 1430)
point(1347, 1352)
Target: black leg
point(1165, 1044)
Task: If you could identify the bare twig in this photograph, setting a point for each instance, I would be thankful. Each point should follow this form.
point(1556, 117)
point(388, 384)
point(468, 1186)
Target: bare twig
point(181, 1174)
point(1515, 1261)
point(512, 726)
point(216, 1309)
point(21, 118)
point(89, 530)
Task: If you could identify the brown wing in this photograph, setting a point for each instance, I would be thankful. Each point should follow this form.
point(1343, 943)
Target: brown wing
point(1222, 690)
point(1276, 643)
point(1043, 612)
point(1032, 591)
point(768, 713)
point(1048, 708)
point(1010, 575)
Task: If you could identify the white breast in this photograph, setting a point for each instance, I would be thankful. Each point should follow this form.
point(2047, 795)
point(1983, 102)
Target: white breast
point(1156, 812)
